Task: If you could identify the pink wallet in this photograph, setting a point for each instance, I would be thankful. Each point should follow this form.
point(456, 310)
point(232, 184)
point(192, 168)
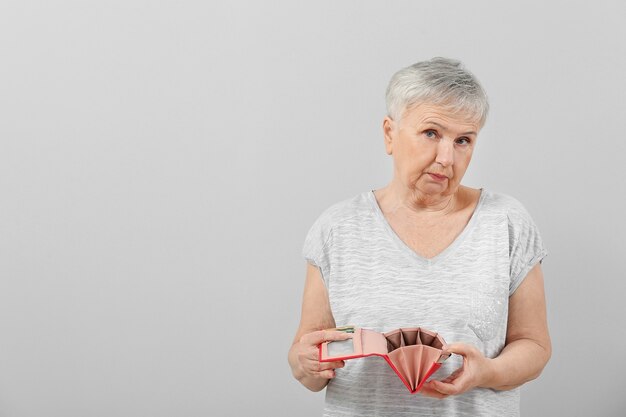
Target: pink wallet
point(413, 353)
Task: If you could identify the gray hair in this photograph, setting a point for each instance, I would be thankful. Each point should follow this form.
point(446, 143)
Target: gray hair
point(439, 81)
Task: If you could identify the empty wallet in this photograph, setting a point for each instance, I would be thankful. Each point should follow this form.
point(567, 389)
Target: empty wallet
point(413, 353)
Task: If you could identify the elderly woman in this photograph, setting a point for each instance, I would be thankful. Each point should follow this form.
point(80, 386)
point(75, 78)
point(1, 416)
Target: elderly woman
point(427, 251)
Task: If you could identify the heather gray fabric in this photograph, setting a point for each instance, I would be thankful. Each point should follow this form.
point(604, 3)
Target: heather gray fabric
point(376, 281)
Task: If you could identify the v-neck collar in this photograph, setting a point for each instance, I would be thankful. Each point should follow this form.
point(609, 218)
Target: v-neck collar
point(404, 247)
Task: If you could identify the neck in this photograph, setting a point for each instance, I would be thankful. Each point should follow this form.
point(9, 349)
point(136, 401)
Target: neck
point(397, 197)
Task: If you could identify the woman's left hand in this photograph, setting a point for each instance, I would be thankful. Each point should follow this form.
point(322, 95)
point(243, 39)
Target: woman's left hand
point(476, 371)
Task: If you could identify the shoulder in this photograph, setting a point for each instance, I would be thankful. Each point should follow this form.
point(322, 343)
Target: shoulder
point(344, 210)
point(521, 227)
point(506, 205)
point(339, 213)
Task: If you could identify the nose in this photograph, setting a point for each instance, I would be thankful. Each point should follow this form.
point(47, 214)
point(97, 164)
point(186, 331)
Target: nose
point(445, 153)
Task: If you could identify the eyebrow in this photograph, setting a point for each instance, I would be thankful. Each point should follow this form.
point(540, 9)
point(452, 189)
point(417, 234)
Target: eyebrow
point(442, 127)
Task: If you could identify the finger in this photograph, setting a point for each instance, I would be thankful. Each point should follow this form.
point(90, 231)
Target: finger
point(454, 375)
point(462, 381)
point(327, 374)
point(450, 378)
point(332, 365)
point(309, 353)
point(313, 365)
point(461, 349)
point(445, 388)
point(428, 391)
point(320, 336)
point(312, 353)
point(459, 384)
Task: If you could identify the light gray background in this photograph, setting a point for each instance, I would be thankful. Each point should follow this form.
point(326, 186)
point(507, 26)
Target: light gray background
point(161, 162)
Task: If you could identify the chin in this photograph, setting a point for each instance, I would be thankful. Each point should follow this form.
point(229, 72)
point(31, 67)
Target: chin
point(433, 189)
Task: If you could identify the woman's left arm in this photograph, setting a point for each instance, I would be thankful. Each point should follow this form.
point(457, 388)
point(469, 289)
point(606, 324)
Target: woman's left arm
point(525, 354)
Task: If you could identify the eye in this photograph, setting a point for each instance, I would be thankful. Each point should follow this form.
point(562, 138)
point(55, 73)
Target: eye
point(431, 134)
point(463, 140)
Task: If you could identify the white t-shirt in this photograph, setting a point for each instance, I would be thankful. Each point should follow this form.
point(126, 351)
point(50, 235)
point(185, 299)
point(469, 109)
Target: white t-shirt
point(375, 281)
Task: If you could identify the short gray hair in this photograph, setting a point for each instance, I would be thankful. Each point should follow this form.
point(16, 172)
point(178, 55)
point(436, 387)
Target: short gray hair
point(439, 81)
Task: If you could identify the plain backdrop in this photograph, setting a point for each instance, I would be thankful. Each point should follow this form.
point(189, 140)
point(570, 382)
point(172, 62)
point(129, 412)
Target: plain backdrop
point(162, 161)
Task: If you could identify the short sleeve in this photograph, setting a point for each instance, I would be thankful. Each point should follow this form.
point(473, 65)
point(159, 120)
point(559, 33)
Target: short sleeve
point(315, 249)
point(526, 247)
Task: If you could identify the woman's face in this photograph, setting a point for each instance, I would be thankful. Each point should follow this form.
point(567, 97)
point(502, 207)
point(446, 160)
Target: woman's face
point(431, 148)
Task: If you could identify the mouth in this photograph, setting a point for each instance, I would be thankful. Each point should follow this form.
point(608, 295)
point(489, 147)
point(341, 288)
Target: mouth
point(437, 177)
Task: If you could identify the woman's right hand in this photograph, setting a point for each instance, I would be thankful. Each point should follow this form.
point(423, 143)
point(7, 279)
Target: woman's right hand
point(306, 352)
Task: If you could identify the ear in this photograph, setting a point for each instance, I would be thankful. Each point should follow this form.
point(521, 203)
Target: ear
point(389, 132)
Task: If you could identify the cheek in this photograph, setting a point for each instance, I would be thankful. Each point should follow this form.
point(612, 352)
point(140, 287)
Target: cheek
point(413, 156)
point(408, 156)
point(463, 156)
point(461, 162)
point(421, 154)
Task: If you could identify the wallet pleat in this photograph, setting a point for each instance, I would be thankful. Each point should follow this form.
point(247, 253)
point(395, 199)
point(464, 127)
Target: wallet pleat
point(429, 357)
point(398, 359)
point(413, 361)
point(437, 343)
point(410, 336)
point(394, 340)
point(410, 352)
point(428, 338)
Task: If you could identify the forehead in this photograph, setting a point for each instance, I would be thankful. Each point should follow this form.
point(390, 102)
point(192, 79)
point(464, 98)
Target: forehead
point(440, 116)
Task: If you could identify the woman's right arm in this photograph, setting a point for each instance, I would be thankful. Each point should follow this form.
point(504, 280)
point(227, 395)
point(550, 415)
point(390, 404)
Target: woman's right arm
point(316, 316)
